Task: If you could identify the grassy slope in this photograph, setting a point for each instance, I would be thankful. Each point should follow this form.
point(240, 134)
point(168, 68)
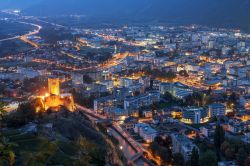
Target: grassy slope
point(59, 146)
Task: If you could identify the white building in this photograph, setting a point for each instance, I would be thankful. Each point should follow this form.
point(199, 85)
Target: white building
point(208, 130)
point(241, 45)
point(192, 67)
point(216, 109)
point(104, 102)
point(204, 39)
point(181, 144)
point(176, 89)
point(146, 132)
point(211, 44)
point(126, 82)
point(145, 81)
point(194, 115)
point(132, 103)
point(204, 131)
point(108, 83)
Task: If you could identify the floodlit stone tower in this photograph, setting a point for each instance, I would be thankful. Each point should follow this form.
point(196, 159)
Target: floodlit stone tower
point(55, 99)
point(54, 86)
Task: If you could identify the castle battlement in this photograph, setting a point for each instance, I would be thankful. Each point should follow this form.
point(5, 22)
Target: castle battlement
point(54, 98)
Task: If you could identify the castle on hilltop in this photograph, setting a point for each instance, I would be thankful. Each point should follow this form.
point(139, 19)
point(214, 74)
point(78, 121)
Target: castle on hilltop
point(54, 98)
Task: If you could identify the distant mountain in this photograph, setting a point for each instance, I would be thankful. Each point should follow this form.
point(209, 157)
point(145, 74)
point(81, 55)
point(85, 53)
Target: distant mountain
point(229, 13)
point(20, 4)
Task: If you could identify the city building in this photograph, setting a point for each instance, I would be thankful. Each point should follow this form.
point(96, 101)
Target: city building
point(181, 144)
point(115, 113)
point(145, 81)
point(28, 72)
point(104, 102)
point(208, 130)
point(236, 126)
point(177, 89)
point(145, 131)
point(245, 101)
point(126, 82)
point(108, 83)
point(194, 115)
point(133, 103)
point(216, 109)
point(77, 79)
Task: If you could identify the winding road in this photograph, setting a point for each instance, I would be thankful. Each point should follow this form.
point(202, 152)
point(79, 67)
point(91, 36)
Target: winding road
point(36, 31)
point(132, 152)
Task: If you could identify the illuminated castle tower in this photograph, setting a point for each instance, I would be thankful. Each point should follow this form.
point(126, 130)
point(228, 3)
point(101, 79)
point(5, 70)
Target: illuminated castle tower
point(54, 86)
point(55, 99)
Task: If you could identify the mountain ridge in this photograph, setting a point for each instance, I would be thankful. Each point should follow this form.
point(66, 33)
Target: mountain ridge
point(222, 13)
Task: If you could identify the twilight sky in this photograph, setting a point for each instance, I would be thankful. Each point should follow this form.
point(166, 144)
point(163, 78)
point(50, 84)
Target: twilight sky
point(229, 13)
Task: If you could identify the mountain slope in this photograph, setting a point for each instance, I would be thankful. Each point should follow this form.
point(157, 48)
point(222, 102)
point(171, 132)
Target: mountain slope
point(210, 12)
